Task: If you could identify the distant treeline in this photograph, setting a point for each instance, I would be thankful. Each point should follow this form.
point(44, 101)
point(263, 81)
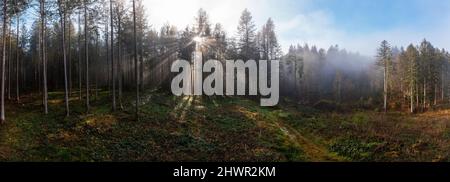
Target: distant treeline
point(309, 74)
point(415, 79)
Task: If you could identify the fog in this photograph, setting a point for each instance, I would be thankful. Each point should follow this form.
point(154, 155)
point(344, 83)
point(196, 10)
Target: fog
point(309, 74)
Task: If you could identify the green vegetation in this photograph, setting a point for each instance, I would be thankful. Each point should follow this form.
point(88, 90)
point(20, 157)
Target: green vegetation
point(217, 129)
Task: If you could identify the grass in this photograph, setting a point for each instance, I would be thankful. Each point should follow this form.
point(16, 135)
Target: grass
point(216, 129)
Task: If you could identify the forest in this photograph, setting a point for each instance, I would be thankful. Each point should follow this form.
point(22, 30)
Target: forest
point(89, 80)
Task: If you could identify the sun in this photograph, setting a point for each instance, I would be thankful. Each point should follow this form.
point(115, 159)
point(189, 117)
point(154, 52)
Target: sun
point(198, 39)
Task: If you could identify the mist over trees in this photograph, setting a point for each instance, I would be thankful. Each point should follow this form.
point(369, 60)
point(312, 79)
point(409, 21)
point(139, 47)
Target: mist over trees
point(310, 74)
point(109, 45)
point(414, 79)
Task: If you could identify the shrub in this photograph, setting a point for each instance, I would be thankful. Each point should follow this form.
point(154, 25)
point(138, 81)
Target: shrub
point(355, 149)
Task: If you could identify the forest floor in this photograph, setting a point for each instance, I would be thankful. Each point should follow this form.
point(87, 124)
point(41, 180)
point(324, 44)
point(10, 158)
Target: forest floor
point(216, 129)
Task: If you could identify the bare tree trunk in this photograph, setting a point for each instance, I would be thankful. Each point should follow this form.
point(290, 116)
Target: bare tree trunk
point(17, 60)
point(5, 20)
point(10, 57)
point(417, 96)
point(136, 68)
point(69, 52)
point(435, 94)
point(113, 81)
point(79, 58)
point(44, 57)
point(97, 50)
point(86, 41)
point(107, 55)
point(141, 54)
point(297, 94)
point(425, 94)
point(412, 93)
point(385, 87)
point(120, 58)
point(38, 67)
point(63, 26)
point(412, 99)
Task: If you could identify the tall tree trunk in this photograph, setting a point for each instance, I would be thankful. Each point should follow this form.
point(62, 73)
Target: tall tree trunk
point(86, 46)
point(424, 94)
point(136, 68)
point(385, 86)
point(112, 58)
point(412, 92)
point(10, 57)
point(412, 98)
point(141, 54)
point(38, 79)
point(107, 55)
point(66, 85)
point(44, 57)
point(435, 93)
point(119, 59)
point(417, 96)
point(69, 54)
point(79, 58)
point(97, 50)
point(17, 59)
point(296, 91)
point(5, 20)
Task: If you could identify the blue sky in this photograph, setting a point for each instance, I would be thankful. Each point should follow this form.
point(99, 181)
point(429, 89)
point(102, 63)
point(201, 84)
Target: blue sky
point(375, 15)
point(369, 15)
point(356, 25)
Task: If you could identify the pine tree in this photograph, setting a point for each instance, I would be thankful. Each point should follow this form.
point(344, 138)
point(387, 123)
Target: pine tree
point(220, 38)
point(384, 60)
point(412, 55)
point(202, 25)
point(247, 37)
point(268, 42)
point(426, 58)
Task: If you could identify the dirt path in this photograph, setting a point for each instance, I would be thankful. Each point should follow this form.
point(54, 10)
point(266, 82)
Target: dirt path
point(314, 152)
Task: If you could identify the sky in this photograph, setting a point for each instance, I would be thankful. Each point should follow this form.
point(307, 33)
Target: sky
point(356, 25)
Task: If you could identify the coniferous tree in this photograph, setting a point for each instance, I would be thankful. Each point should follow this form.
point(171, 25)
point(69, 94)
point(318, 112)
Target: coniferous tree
point(411, 55)
point(268, 42)
point(247, 37)
point(384, 60)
